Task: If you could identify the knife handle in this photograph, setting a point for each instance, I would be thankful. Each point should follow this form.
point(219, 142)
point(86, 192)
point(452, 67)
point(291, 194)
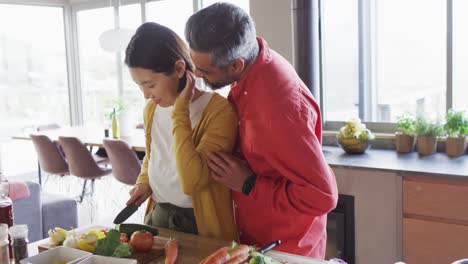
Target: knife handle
point(269, 247)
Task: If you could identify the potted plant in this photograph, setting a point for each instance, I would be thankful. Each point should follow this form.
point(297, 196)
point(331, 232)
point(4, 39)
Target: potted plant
point(354, 137)
point(427, 133)
point(404, 137)
point(456, 127)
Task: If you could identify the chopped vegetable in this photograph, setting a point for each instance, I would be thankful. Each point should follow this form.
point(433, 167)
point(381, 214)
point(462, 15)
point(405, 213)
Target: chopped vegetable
point(57, 236)
point(171, 250)
point(88, 241)
point(220, 256)
point(106, 246)
point(122, 251)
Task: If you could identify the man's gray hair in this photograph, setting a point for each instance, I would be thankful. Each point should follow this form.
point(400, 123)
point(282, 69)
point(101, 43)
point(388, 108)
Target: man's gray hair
point(225, 31)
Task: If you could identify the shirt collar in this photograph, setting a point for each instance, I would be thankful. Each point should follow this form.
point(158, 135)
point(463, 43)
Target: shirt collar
point(263, 57)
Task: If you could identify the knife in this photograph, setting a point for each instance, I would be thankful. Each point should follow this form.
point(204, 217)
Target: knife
point(269, 247)
point(125, 213)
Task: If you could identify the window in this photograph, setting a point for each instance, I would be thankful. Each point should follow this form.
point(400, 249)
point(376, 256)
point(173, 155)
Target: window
point(381, 59)
point(170, 13)
point(33, 70)
point(460, 55)
point(130, 17)
point(244, 4)
point(340, 60)
point(410, 58)
point(97, 67)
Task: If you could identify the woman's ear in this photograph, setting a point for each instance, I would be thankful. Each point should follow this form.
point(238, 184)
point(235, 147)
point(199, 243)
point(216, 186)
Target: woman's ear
point(180, 68)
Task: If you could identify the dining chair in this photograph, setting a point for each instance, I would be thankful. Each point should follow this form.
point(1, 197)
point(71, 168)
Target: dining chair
point(83, 163)
point(124, 161)
point(51, 159)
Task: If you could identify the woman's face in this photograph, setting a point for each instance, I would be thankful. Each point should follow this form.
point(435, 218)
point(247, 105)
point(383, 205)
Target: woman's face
point(157, 86)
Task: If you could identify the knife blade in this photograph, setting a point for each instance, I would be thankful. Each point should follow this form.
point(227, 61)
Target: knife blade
point(125, 213)
point(269, 247)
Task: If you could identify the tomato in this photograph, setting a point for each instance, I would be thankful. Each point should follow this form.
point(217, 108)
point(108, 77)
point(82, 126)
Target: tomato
point(123, 238)
point(141, 241)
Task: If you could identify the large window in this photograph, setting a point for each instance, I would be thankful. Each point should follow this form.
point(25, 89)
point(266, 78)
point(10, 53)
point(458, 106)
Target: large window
point(244, 4)
point(460, 54)
point(340, 64)
point(97, 67)
point(383, 58)
point(33, 69)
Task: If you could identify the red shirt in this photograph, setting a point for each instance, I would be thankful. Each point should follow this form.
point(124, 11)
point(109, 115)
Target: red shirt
point(280, 136)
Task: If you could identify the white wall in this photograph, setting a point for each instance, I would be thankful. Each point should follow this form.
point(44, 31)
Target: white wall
point(273, 19)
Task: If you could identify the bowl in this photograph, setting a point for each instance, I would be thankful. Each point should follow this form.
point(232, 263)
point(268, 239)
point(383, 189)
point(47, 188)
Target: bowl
point(106, 260)
point(57, 255)
point(353, 145)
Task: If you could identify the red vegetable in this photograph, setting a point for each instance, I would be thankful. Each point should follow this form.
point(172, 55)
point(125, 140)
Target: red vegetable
point(141, 241)
point(171, 249)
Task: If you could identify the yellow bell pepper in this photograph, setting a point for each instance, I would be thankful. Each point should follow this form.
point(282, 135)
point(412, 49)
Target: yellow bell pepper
point(88, 241)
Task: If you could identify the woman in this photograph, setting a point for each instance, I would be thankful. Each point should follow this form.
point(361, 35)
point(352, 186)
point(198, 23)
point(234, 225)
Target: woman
point(182, 124)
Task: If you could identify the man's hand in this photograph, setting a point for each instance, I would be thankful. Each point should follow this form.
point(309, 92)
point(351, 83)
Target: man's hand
point(228, 170)
point(139, 193)
point(189, 90)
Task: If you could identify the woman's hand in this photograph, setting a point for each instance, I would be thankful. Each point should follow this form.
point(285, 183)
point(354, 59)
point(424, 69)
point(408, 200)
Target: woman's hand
point(139, 193)
point(189, 90)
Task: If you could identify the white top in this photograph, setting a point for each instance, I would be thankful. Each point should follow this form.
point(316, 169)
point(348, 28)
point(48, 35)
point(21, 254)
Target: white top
point(162, 170)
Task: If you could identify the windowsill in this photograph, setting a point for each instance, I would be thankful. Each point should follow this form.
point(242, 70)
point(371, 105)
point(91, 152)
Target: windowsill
point(382, 136)
point(438, 165)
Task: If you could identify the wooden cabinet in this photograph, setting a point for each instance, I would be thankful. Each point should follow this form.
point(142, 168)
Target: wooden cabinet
point(435, 223)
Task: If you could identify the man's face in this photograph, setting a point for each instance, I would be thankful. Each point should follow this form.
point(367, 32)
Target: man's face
point(214, 77)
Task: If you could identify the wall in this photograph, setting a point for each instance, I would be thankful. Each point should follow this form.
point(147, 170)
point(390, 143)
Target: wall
point(273, 19)
point(378, 213)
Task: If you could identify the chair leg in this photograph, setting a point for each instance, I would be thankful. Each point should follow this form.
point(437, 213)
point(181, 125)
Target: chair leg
point(83, 191)
point(92, 188)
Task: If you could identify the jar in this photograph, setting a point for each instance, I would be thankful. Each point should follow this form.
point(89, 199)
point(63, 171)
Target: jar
point(19, 237)
point(4, 244)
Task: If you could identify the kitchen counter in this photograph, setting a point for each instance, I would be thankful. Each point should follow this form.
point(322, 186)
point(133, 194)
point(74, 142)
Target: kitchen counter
point(192, 248)
point(438, 165)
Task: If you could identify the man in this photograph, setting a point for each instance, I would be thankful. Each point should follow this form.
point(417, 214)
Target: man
point(287, 188)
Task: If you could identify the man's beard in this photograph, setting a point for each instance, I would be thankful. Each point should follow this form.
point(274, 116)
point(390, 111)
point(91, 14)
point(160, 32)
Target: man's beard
point(220, 84)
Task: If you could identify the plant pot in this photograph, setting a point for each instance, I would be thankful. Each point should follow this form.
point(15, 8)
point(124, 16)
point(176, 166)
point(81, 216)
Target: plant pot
point(404, 143)
point(427, 145)
point(455, 146)
point(354, 146)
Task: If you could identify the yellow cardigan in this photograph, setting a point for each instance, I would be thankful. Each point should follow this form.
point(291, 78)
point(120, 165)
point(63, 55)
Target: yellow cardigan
point(216, 131)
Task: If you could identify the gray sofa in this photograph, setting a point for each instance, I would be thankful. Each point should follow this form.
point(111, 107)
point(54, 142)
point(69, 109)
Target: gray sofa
point(42, 211)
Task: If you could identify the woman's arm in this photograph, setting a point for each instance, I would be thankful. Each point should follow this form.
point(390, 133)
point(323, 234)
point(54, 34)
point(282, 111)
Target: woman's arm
point(220, 135)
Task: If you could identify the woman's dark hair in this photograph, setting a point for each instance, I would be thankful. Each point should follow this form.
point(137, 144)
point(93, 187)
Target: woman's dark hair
point(157, 48)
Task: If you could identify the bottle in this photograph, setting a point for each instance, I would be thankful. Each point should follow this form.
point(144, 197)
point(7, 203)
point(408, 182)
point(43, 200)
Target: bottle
point(115, 125)
point(4, 244)
point(19, 237)
point(6, 206)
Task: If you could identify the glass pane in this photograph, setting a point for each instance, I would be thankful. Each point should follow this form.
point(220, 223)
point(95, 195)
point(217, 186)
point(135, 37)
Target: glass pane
point(340, 62)
point(460, 55)
point(130, 17)
point(170, 13)
point(244, 4)
point(33, 69)
point(411, 57)
point(97, 67)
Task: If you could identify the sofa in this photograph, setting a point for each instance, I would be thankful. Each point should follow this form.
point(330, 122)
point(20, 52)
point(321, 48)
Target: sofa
point(43, 211)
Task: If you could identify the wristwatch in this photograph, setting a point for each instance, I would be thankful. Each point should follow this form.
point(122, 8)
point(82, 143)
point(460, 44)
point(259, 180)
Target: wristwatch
point(248, 185)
